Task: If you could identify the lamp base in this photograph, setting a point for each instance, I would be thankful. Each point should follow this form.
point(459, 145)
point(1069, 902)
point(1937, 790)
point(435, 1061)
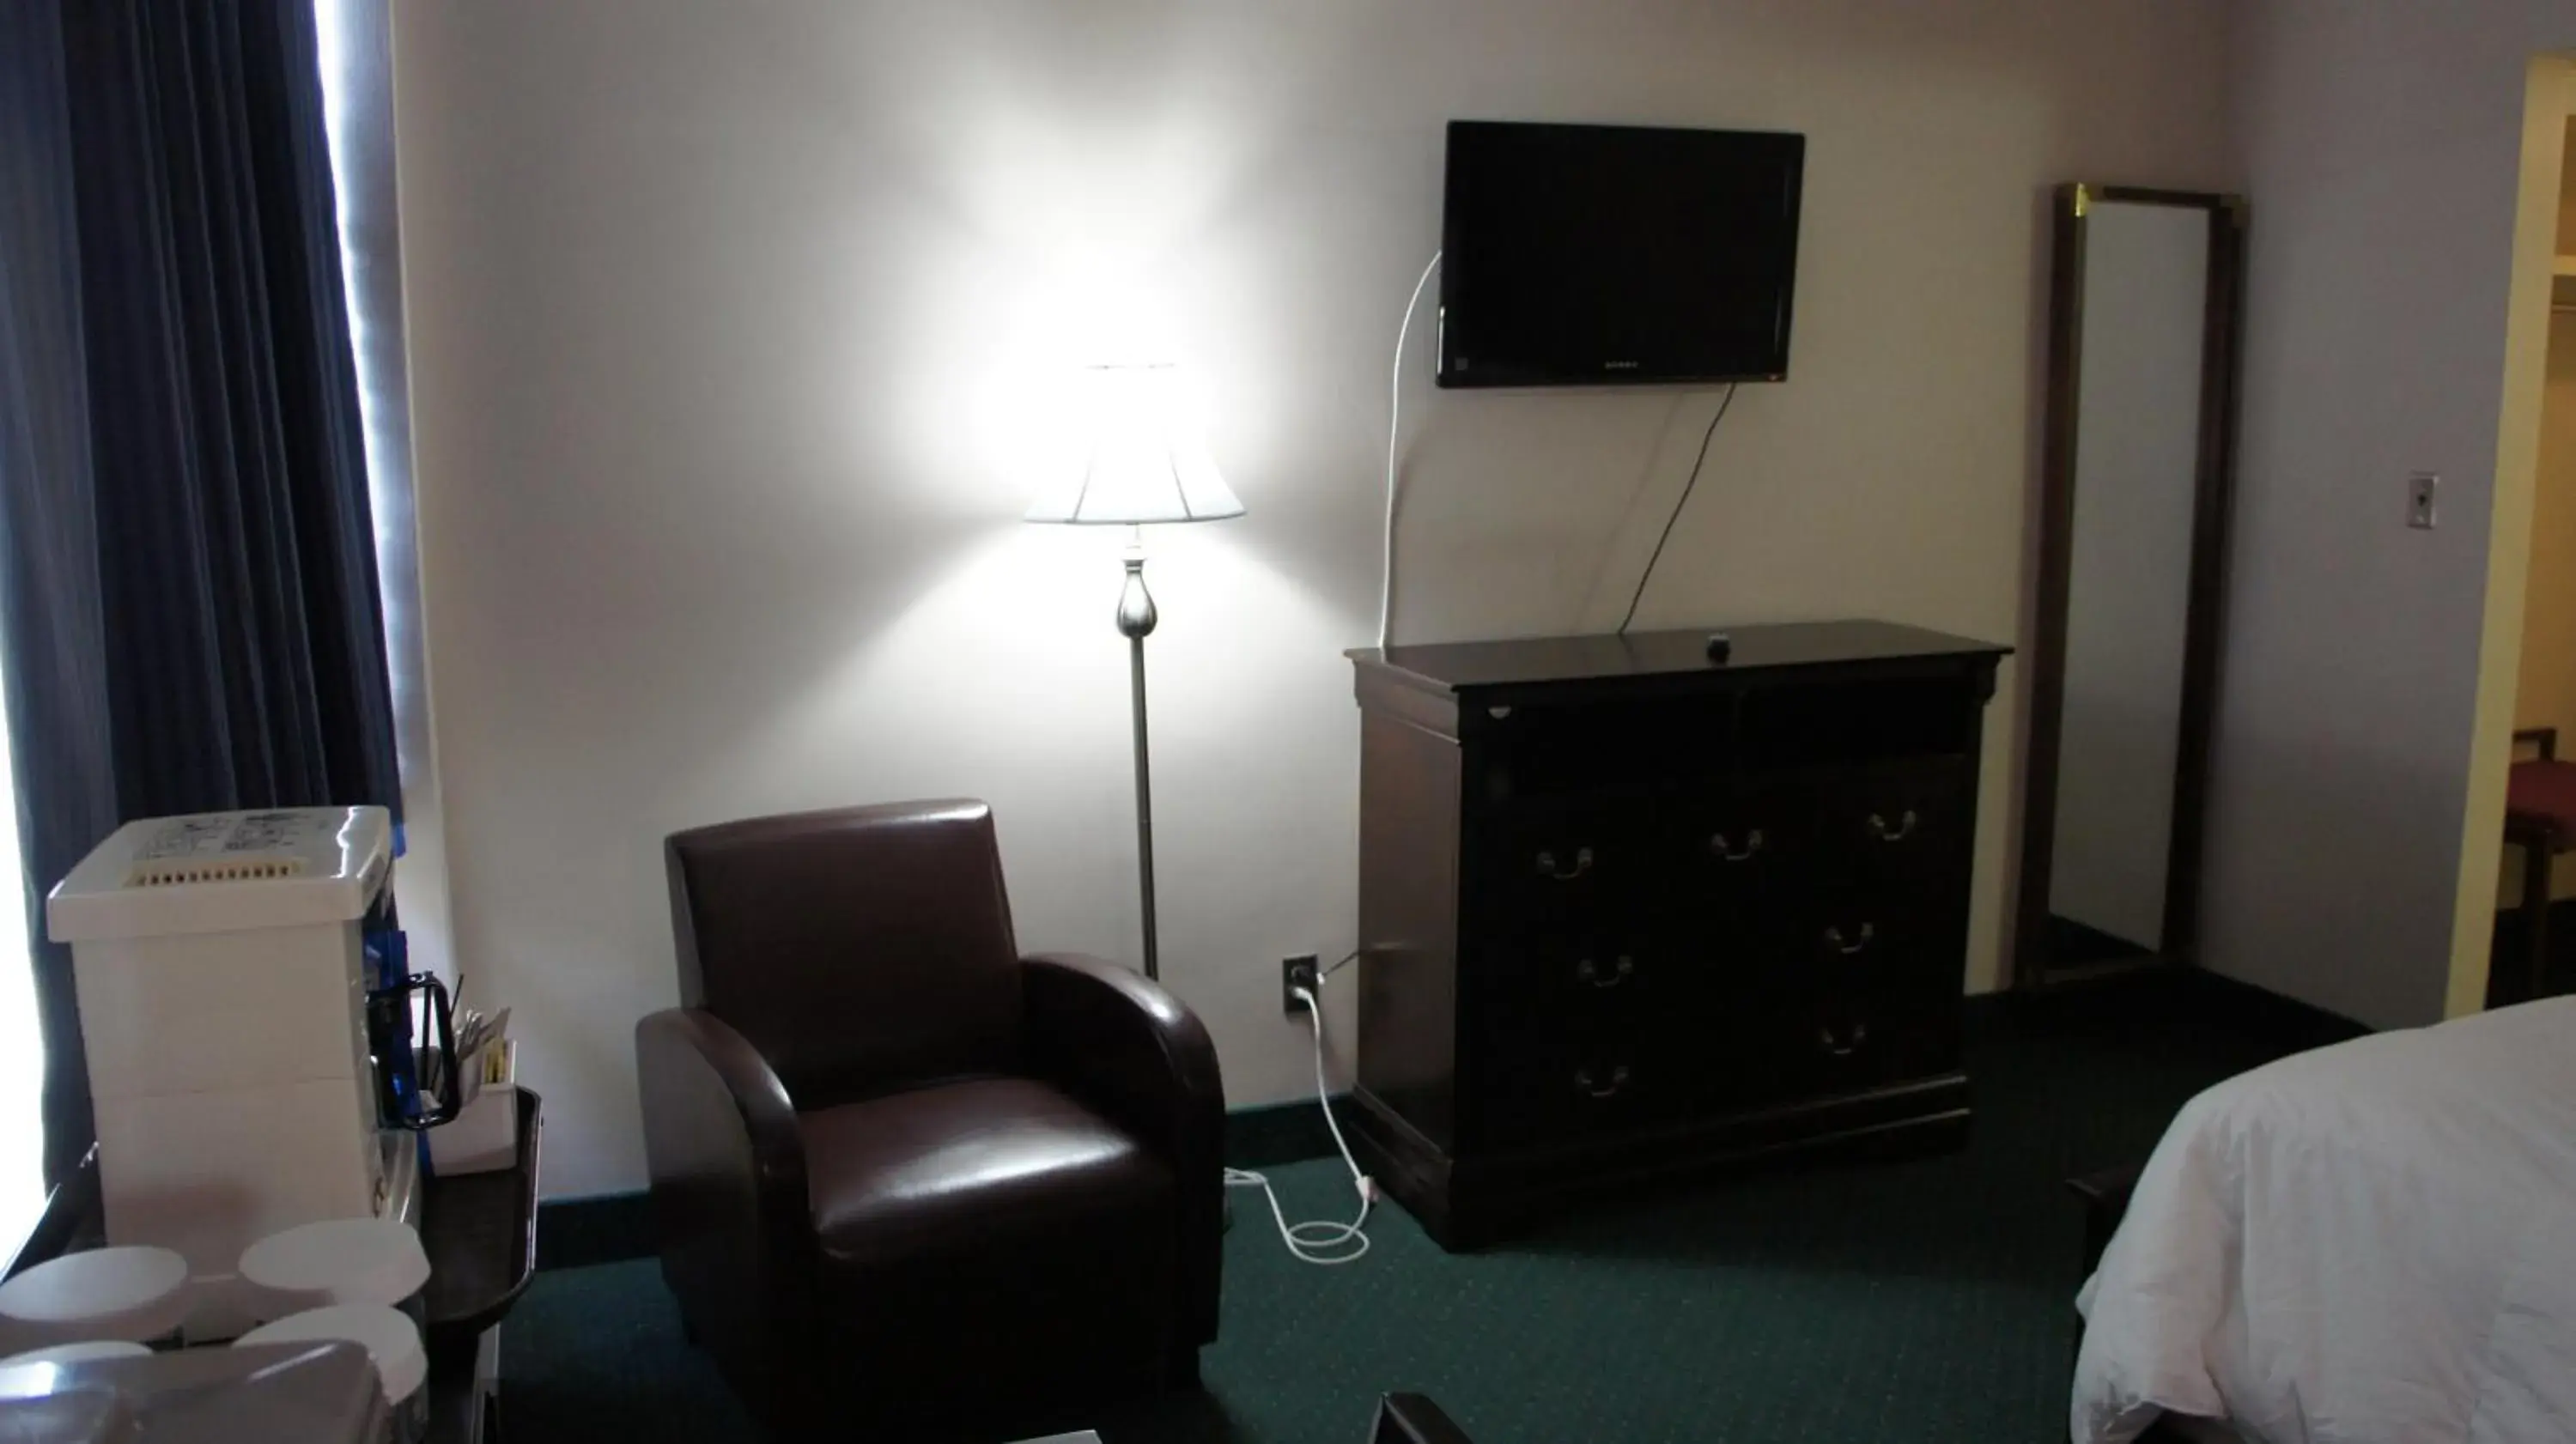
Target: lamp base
point(1136, 612)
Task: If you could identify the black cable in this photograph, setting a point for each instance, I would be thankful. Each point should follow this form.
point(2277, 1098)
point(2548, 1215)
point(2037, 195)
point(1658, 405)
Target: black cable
point(1649, 574)
point(1346, 959)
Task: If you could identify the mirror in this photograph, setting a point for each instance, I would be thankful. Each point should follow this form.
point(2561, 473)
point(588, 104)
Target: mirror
point(2143, 324)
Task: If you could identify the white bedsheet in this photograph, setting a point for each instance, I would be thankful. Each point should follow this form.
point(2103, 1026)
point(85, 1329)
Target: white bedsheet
point(2370, 1242)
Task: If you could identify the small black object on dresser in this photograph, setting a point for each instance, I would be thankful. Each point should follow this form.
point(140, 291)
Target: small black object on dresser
point(1626, 911)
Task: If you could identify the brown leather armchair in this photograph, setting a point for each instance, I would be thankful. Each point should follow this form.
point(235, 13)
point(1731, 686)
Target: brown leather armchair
point(907, 1182)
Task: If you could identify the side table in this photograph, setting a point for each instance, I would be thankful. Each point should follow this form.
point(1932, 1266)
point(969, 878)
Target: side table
point(480, 1231)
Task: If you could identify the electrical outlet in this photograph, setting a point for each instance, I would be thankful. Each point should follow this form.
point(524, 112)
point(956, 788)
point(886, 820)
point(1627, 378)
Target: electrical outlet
point(1294, 973)
point(2419, 499)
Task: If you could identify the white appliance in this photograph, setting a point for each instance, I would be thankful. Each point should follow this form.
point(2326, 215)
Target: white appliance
point(222, 982)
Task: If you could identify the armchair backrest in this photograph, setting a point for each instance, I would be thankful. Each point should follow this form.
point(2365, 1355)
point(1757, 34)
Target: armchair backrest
point(858, 950)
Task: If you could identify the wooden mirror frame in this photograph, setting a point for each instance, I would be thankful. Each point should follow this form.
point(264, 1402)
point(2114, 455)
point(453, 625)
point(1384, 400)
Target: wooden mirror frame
point(2213, 497)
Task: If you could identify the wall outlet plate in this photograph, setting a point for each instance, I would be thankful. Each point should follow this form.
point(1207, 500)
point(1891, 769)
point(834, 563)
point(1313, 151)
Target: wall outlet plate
point(2420, 490)
point(1294, 973)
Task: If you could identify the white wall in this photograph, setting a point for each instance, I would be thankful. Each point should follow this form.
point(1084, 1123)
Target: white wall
point(2382, 148)
point(730, 326)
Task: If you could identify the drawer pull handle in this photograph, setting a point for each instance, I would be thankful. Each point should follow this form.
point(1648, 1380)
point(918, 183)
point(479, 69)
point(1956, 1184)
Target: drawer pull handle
point(1858, 941)
point(1726, 849)
point(1598, 1088)
point(1847, 1044)
point(1586, 972)
point(1582, 865)
point(1898, 833)
point(1498, 713)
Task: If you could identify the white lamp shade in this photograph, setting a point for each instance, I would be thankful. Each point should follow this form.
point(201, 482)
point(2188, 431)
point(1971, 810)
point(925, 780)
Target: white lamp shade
point(1146, 462)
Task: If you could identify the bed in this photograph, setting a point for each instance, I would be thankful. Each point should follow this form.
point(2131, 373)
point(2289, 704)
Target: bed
point(2374, 1241)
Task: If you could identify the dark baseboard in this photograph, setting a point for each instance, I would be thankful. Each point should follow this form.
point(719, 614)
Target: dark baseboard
point(612, 1227)
point(2071, 943)
point(600, 1228)
point(1275, 1133)
point(2135, 994)
point(2295, 1024)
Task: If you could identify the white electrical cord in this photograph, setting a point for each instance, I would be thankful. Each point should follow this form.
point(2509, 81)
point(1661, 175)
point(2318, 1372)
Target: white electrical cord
point(1323, 1240)
point(1394, 420)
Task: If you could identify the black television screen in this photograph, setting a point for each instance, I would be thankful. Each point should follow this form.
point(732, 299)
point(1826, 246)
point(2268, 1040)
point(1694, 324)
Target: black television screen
point(1587, 255)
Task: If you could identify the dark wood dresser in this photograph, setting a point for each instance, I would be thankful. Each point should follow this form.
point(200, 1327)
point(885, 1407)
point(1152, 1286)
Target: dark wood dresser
point(1627, 912)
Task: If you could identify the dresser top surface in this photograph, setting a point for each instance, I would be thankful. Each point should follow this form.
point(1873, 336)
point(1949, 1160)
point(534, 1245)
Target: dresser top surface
point(1538, 660)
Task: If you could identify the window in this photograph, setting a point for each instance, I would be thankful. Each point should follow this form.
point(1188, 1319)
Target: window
point(354, 38)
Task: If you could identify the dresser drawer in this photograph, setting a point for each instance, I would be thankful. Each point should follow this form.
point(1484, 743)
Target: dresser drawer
point(1537, 750)
point(1568, 867)
point(1583, 1082)
point(1892, 830)
point(1847, 1045)
point(1856, 723)
point(1577, 1033)
point(1894, 943)
point(1540, 980)
point(1847, 1001)
point(1732, 854)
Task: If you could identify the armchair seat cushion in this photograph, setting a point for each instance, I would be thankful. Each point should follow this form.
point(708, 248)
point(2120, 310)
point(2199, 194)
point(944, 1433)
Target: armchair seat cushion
point(968, 1166)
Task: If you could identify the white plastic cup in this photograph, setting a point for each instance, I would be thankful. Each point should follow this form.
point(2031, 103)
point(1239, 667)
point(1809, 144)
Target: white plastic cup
point(337, 1261)
point(391, 1340)
point(134, 1293)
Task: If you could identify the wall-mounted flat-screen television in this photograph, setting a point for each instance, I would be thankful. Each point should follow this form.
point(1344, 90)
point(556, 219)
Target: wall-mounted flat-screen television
point(1589, 255)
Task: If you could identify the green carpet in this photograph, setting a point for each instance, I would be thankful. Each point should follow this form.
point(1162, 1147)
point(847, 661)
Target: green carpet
point(1918, 1301)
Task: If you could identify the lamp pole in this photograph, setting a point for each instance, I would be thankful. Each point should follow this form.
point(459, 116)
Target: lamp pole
point(1136, 618)
point(1146, 466)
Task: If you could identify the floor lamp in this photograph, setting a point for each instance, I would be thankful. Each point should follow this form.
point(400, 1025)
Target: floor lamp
point(1146, 466)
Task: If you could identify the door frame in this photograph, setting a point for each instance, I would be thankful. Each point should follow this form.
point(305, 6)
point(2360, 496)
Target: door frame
point(2549, 108)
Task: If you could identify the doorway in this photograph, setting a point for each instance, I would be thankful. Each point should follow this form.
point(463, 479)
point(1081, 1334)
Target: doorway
point(2533, 952)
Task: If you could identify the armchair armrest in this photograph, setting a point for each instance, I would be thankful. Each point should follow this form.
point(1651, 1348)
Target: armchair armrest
point(1132, 1051)
point(727, 1164)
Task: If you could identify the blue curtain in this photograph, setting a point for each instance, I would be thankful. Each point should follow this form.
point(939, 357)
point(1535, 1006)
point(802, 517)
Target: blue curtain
point(49, 581)
point(185, 543)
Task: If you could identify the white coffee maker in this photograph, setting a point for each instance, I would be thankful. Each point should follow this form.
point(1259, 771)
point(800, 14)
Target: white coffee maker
point(223, 987)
